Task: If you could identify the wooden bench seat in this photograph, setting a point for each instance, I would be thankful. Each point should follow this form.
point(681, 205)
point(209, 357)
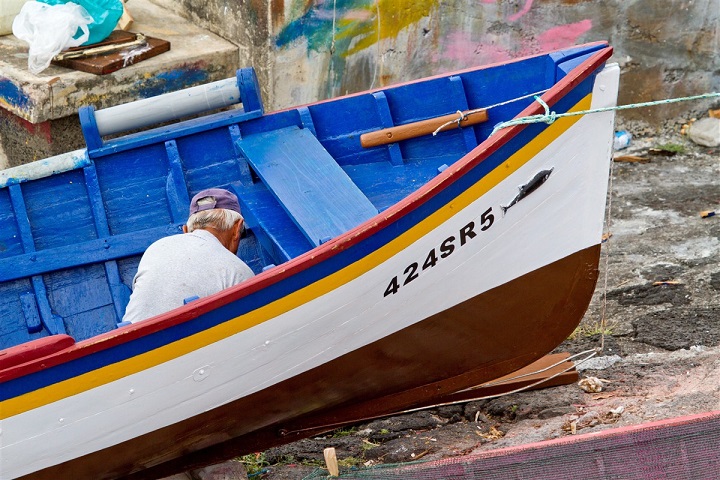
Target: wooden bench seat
point(304, 180)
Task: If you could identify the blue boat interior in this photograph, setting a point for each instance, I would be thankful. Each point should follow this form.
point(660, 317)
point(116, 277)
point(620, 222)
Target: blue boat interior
point(70, 242)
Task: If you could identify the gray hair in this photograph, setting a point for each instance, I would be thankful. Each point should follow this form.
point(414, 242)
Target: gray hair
point(219, 218)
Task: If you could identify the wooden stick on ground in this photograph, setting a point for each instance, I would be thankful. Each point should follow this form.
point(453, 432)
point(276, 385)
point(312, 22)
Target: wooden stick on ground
point(331, 461)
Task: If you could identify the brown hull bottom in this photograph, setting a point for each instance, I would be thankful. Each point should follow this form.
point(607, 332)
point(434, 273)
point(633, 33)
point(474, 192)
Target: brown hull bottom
point(481, 339)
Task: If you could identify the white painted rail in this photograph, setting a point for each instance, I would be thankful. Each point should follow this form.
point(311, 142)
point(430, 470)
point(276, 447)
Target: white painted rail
point(167, 107)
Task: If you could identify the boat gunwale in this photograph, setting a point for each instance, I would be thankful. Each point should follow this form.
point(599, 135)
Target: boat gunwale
point(333, 247)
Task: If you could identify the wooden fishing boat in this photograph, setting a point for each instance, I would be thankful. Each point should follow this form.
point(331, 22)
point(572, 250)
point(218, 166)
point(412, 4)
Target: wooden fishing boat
point(392, 264)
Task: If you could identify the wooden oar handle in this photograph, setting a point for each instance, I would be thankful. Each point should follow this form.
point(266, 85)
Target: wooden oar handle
point(418, 129)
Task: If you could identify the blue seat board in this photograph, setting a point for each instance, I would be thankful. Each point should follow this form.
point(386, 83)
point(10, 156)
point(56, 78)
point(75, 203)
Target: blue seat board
point(317, 194)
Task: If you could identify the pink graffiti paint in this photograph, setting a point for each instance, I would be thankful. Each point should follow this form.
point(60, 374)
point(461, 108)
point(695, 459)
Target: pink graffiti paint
point(460, 50)
point(526, 8)
point(563, 35)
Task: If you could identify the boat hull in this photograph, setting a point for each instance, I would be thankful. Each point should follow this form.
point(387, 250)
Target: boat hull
point(467, 274)
point(538, 310)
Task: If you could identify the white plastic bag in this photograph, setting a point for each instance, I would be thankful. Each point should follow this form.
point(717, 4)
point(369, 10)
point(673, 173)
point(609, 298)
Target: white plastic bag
point(49, 29)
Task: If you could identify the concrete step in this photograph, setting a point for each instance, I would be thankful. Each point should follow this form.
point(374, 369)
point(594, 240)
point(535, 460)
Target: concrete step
point(34, 109)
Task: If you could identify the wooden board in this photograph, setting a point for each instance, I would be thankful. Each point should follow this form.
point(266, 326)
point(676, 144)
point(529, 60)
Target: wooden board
point(114, 61)
point(317, 194)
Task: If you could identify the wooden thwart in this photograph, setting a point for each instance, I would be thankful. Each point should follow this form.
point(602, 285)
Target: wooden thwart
point(423, 127)
point(317, 194)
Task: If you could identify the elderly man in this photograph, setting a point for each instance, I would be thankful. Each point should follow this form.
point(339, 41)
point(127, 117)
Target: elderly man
point(198, 263)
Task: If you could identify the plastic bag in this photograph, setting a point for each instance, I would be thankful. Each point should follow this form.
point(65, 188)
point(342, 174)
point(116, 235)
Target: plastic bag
point(105, 14)
point(49, 29)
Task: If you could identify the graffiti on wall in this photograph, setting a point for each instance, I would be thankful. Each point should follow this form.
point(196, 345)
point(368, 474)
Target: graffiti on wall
point(350, 26)
point(369, 43)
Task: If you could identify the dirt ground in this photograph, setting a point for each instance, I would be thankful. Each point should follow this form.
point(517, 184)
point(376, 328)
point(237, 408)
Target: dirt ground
point(659, 286)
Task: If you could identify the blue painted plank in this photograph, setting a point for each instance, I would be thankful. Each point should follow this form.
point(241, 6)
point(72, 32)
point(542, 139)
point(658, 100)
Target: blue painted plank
point(383, 110)
point(92, 251)
point(385, 185)
point(87, 324)
point(133, 187)
point(80, 289)
point(175, 188)
point(11, 307)
point(243, 167)
point(52, 322)
point(10, 241)
point(568, 59)
point(317, 194)
point(306, 119)
point(252, 252)
point(182, 129)
point(21, 217)
point(120, 292)
point(457, 90)
point(212, 159)
point(249, 90)
point(58, 210)
point(30, 312)
point(274, 229)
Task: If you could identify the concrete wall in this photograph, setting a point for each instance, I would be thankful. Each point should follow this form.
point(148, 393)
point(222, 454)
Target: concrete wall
point(305, 50)
point(38, 113)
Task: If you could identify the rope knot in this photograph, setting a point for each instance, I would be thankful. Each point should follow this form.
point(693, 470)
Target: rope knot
point(548, 117)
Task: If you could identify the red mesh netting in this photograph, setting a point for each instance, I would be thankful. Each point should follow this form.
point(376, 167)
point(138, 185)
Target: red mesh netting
point(682, 448)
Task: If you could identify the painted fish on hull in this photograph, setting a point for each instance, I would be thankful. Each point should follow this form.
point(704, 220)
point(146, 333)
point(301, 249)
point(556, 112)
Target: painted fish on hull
point(530, 187)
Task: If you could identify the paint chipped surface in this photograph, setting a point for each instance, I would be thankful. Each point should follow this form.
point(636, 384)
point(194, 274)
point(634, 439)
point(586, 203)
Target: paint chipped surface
point(12, 96)
point(44, 168)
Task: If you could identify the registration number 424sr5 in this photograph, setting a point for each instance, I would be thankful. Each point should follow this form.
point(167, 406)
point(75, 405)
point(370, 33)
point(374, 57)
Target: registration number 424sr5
point(437, 254)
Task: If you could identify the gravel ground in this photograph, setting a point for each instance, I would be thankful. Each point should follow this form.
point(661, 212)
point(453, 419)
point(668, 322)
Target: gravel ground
point(659, 287)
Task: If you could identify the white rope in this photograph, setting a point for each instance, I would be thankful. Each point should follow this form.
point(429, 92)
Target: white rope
point(550, 117)
point(590, 353)
point(608, 225)
point(462, 116)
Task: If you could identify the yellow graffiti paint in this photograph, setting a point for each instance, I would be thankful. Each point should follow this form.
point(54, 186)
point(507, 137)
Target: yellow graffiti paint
point(387, 19)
